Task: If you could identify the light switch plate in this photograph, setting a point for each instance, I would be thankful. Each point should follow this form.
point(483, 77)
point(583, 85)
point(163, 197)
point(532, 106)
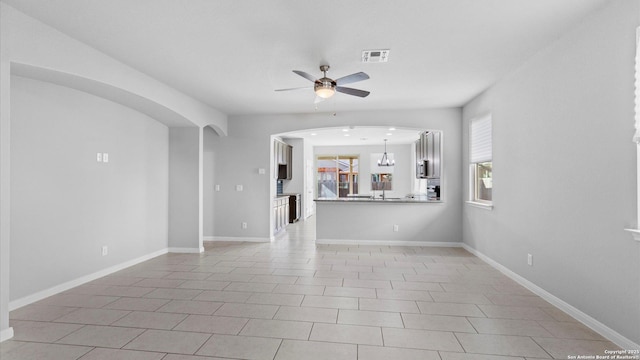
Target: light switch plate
point(99, 157)
point(261, 171)
point(239, 188)
point(105, 157)
point(217, 187)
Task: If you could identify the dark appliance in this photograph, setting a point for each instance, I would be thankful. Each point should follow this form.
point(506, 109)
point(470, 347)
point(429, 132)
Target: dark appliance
point(282, 172)
point(423, 169)
point(294, 207)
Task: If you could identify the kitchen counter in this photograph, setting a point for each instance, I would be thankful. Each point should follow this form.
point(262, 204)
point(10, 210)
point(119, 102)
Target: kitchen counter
point(404, 200)
point(400, 221)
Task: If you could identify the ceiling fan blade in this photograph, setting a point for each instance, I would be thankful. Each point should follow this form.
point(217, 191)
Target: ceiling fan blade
point(352, 78)
point(305, 75)
point(351, 91)
point(296, 88)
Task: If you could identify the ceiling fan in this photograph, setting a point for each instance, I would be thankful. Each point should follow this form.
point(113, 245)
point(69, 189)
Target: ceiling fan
point(325, 87)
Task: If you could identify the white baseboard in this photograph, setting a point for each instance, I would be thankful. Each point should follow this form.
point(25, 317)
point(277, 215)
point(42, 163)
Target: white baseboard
point(29, 299)
point(587, 320)
point(6, 334)
point(387, 242)
point(234, 238)
point(186, 250)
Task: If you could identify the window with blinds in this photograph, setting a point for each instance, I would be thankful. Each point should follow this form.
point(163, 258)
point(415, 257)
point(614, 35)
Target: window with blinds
point(481, 160)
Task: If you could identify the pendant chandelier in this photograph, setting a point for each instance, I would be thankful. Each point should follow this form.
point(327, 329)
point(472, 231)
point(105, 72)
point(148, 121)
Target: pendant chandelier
point(384, 161)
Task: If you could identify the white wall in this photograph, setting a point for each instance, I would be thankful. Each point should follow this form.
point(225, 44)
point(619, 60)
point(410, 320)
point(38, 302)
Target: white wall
point(65, 205)
point(6, 332)
point(185, 198)
point(565, 170)
point(237, 160)
point(248, 147)
point(33, 49)
point(309, 206)
point(209, 178)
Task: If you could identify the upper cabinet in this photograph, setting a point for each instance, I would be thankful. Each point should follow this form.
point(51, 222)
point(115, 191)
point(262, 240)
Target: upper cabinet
point(288, 160)
point(428, 155)
point(283, 160)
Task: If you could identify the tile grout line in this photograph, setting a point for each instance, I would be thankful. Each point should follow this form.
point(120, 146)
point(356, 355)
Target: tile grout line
point(203, 344)
point(541, 347)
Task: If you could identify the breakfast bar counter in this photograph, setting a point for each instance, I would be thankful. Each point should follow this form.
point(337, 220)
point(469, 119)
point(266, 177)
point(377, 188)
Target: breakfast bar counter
point(396, 221)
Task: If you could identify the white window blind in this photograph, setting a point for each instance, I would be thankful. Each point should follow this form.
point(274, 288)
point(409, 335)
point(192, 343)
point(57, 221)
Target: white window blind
point(480, 148)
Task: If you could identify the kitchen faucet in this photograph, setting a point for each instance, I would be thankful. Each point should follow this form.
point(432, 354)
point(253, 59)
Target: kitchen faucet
point(383, 196)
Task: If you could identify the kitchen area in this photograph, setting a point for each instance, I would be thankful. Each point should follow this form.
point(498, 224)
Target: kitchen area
point(286, 206)
point(363, 188)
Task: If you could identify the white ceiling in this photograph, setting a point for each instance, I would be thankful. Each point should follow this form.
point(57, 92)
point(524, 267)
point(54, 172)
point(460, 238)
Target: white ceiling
point(232, 54)
point(356, 135)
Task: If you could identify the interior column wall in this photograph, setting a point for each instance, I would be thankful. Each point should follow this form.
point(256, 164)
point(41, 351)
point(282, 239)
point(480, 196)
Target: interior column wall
point(209, 181)
point(5, 196)
point(185, 228)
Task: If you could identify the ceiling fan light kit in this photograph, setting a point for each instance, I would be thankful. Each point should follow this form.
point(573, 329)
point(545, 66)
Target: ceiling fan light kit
point(326, 87)
point(323, 91)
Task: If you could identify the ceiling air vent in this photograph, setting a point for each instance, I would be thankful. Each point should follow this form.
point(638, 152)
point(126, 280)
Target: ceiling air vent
point(375, 56)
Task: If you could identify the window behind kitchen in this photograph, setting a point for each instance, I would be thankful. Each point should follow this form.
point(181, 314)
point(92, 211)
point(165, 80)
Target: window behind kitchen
point(337, 176)
point(481, 160)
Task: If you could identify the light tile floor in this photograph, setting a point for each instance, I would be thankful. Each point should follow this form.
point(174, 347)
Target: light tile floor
point(293, 299)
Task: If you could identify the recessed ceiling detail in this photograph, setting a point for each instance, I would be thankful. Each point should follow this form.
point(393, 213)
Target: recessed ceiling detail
point(358, 135)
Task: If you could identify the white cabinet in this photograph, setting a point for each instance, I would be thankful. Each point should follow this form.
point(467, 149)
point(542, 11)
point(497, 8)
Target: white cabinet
point(433, 154)
point(280, 213)
point(282, 160)
point(428, 155)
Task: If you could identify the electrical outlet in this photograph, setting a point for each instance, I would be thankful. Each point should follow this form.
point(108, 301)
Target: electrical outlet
point(396, 228)
point(244, 225)
point(529, 259)
point(105, 251)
